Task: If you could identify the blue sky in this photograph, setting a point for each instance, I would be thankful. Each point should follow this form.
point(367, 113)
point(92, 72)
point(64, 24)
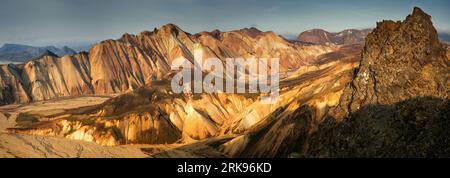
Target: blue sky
point(42, 22)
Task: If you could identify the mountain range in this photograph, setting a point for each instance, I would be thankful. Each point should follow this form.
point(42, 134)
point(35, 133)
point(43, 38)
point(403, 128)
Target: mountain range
point(445, 37)
point(17, 53)
point(114, 66)
point(319, 36)
point(373, 93)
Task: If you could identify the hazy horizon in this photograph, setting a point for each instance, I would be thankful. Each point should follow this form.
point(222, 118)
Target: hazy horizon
point(66, 22)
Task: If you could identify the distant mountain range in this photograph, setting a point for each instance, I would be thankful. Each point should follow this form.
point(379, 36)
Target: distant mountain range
point(320, 36)
point(348, 36)
point(445, 37)
point(17, 53)
point(386, 98)
point(114, 66)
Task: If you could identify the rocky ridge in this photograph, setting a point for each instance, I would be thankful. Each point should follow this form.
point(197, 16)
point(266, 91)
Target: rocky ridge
point(391, 102)
point(115, 66)
point(397, 104)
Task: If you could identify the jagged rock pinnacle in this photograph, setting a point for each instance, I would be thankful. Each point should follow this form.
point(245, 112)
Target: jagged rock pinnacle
point(401, 60)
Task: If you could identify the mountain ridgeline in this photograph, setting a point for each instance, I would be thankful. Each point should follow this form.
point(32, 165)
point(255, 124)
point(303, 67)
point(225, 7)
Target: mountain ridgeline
point(319, 36)
point(16, 53)
point(388, 98)
point(114, 66)
point(396, 105)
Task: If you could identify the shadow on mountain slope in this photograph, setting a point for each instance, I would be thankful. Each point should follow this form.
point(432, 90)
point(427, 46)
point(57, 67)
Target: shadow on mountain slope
point(416, 127)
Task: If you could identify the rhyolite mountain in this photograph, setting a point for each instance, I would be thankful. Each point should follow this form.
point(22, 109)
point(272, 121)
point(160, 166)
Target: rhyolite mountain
point(114, 66)
point(17, 53)
point(388, 98)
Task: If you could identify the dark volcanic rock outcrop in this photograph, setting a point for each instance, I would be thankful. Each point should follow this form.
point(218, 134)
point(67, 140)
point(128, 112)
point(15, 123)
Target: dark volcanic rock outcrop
point(398, 103)
point(401, 60)
point(417, 127)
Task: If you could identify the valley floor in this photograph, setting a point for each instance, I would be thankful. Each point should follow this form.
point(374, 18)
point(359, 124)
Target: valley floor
point(18, 145)
point(14, 145)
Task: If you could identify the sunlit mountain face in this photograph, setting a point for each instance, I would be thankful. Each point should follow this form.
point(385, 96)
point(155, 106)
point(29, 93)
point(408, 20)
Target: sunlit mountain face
point(381, 90)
